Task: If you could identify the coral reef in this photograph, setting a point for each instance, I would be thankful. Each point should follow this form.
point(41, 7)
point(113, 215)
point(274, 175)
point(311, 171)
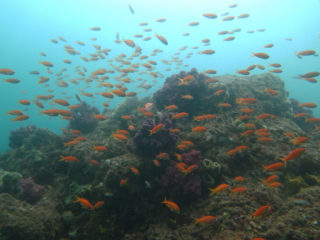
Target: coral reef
point(163, 141)
point(172, 92)
point(176, 185)
point(29, 190)
point(20, 220)
point(128, 183)
point(18, 136)
point(83, 118)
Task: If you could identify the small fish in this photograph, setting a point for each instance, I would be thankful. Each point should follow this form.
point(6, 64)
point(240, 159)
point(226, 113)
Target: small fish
point(171, 205)
point(273, 167)
point(260, 55)
point(204, 220)
point(162, 39)
point(100, 148)
point(156, 129)
point(237, 149)
point(131, 9)
point(262, 211)
point(222, 187)
point(69, 159)
point(85, 203)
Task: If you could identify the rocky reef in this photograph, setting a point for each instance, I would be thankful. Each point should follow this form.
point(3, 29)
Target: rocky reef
point(109, 180)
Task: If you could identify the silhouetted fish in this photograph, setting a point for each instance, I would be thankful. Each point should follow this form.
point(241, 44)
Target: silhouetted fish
point(131, 9)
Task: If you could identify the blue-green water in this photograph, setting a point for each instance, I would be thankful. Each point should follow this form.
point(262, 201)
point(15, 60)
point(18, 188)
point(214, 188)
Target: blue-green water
point(28, 26)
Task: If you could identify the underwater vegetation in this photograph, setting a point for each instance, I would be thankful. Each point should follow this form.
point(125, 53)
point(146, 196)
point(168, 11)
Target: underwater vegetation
point(239, 166)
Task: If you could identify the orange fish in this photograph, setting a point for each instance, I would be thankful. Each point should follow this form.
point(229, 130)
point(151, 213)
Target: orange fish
point(51, 112)
point(199, 129)
point(308, 105)
point(299, 140)
point(180, 115)
point(274, 185)
point(123, 182)
point(156, 129)
point(294, 154)
point(24, 102)
point(204, 220)
point(273, 167)
point(239, 179)
point(6, 71)
point(207, 52)
point(71, 143)
point(21, 118)
point(171, 107)
point(188, 97)
point(312, 120)
point(246, 101)
point(69, 159)
point(306, 53)
point(61, 102)
point(260, 55)
point(46, 63)
point(15, 112)
point(135, 170)
point(219, 92)
point(238, 190)
point(12, 80)
point(243, 72)
point(156, 162)
point(130, 43)
point(225, 105)
point(210, 15)
point(171, 205)
point(119, 93)
point(162, 39)
point(163, 156)
point(222, 187)
point(98, 204)
point(271, 91)
point(237, 149)
point(300, 115)
point(262, 211)
point(100, 148)
point(99, 117)
point(270, 179)
point(265, 115)
point(85, 203)
point(120, 137)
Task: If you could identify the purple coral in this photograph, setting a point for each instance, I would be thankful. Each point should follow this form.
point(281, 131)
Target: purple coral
point(29, 190)
point(18, 136)
point(171, 92)
point(83, 118)
point(178, 186)
point(163, 140)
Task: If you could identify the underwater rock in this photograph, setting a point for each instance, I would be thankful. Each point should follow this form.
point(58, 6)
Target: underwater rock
point(37, 157)
point(172, 92)
point(29, 190)
point(20, 220)
point(162, 141)
point(83, 118)
point(18, 136)
point(9, 181)
point(178, 186)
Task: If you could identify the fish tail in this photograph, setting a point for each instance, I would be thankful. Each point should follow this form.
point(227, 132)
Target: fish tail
point(77, 200)
point(298, 55)
point(61, 160)
point(284, 161)
point(165, 200)
point(253, 54)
